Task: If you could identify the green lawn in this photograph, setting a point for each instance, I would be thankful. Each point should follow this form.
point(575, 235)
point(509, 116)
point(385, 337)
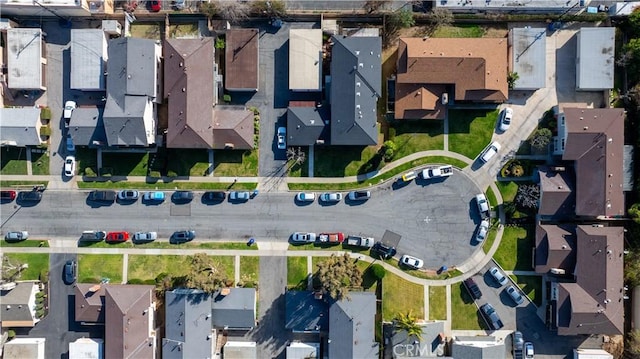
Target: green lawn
point(38, 264)
point(300, 170)
point(401, 296)
point(125, 164)
point(508, 190)
point(13, 161)
point(196, 244)
point(470, 131)
point(159, 185)
point(249, 269)
point(514, 252)
point(343, 161)
point(93, 267)
point(296, 271)
point(425, 275)
point(415, 136)
point(241, 163)
point(459, 31)
point(466, 315)
point(491, 197)
point(146, 30)
point(437, 303)
point(189, 162)
point(10, 184)
point(491, 237)
point(531, 285)
point(145, 267)
point(27, 243)
point(183, 30)
point(39, 163)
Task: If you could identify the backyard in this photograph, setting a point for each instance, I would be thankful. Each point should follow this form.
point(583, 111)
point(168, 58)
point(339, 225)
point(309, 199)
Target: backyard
point(147, 30)
point(515, 248)
point(470, 130)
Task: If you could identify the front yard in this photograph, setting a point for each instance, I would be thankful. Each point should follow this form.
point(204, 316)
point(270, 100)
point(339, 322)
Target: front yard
point(13, 161)
point(515, 248)
point(437, 303)
point(470, 131)
point(401, 296)
point(146, 268)
point(297, 272)
point(531, 286)
point(38, 265)
point(466, 315)
point(39, 162)
point(92, 268)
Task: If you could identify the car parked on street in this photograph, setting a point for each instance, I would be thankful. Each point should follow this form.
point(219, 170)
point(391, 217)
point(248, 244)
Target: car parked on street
point(306, 197)
point(472, 288)
point(498, 276)
point(214, 196)
point(155, 6)
point(409, 176)
point(153, 196)
point(239, 196)
point(331, 238)
point(383, 251)
point(70, 166)
point(29, 196)
point(331, 197)
point(182, 196)
point(93, 236)
point(483, 229)
point(483, 205)
point(7, 196)
point(528, 350)
point(128, 195)
point(490, 151)
point(303, 237)
point(144, 237)
point(505, 119)
point(105, 196)
point(411, 262)
point(70, 272)
point(182, 236)
point(282, 135)
point(117, 237)
point(518, 345)
point(491, 316)
point(359, 195)
point(515, 295)
point(16, 236)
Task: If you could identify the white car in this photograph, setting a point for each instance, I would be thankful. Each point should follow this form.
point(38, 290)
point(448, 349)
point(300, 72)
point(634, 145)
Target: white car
point(498, 276)
point(145, 236)
point(306, 197)
point(301, 237)
point(411, 262)
point(331, 197)
point(483, 229)
point(528, 350)
point(505, 119)
point(483, 205)
point(515, 295)
point(69, 106)
point(282, 138)
point(490, 151)
point(70, 166)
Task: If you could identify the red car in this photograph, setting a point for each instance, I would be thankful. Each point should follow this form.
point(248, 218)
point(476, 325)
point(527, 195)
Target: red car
point(117, 237)
point(332, 238)
point(7, 195)
point(155, 5)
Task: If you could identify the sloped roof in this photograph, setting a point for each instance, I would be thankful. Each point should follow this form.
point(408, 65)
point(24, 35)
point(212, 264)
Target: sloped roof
point(89, 305)
point(14, 305)
point(86, 125)
point(236, 310)
point(124, 120)
point(189, 86)
point(596, 50)
point(426, 344)
point(557, 192)
point(233, 125)
point(305, 313)
point(355, 88)
point(24, 54)
point(528, 57)
point(188, 325)
point(306, 125)
point(419, 101)
point(241, 55)
point(305, 59)
point(595, 141)
point(301, 350)
point(478, 347)
point(555, 248)
point(88, 59)
point(127, 321)
point(19, 126)
point(352, 326)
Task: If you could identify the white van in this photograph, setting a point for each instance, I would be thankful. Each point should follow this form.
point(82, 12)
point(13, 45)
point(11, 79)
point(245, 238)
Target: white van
point(490, 152)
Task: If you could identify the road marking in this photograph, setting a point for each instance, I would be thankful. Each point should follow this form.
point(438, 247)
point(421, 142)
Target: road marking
point(427, 219)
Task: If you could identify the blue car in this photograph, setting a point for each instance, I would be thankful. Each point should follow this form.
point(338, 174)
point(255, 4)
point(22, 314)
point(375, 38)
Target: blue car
point(155, 196)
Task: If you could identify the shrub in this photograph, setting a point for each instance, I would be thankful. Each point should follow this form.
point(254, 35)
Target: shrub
point(255, 111)
point(106, 171)
point(378, 271)
point(45, 131)
point(634, 212)
point(541, 138)
point(171, 173)
point(39, 295)
point(40, 313)
point(226, 98)
point(219, 42)
point(11, 334)
point(89, 172)
point(44, 276)
point(389, 149)
point(155, 174)
point(392, 133)
point(45, 113)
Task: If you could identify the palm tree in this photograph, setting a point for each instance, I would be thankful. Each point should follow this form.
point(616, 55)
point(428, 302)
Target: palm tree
point(407, 322)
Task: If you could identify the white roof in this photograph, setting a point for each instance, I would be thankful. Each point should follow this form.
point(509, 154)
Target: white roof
point(305, 59)
point(20, 348)
point(591, 354)
point(86, 348)
point(88, 59)
point(596, 47)
point(240, 350)
point(24, 56)
point(623, 8)
point(529, 46)
point(298, 350)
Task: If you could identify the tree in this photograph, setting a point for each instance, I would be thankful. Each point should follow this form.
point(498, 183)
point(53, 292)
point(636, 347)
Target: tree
point(634, 212)
point(270, 8)
point(209, 9)
point(632, 348)
point(407, 322)
point(633, 20)
point(388, 150)
point(337, 274)
point(632, 268)
point(296, 156)
point(378, 271)
point(528, 196)
point(11, 269)
point(233, 11)
point(440, 16)
point(402, 19)
point(541, 138)
point(630, 56)
point(512, 77)
point(204, 274)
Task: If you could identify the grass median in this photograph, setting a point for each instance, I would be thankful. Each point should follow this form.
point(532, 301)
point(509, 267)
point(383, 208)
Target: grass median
point(437, 303)
point(154, 184)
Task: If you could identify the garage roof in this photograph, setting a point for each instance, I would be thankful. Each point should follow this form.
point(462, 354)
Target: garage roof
point(305, 59)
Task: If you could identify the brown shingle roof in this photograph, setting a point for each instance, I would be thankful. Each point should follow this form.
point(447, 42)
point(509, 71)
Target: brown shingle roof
point(233, 126)
point(557, 196)
point(89, 299)
point(595, 141)
point(555, 248)
point(129, 322)
point(188, 84)
point(241, 65)
point(476, 67)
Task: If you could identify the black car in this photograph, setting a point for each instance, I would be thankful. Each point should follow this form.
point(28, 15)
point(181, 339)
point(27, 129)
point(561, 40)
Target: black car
point(491, 316)
point(383, 251)
point(30, 196)
point(182, 196)
point(214, 196)
point(102, 196)
point(182, 237)
point(70, 272)
point(473, 288)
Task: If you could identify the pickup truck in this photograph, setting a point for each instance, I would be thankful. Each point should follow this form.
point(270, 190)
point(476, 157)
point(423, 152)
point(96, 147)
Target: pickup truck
point(437, 172)
point(102, 196)
point(334, 238)
point(364, 242)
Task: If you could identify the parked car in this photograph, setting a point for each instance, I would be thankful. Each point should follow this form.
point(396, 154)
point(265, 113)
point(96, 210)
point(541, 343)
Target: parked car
point(69, 106)
point(528, 350)
point(282, 138)
point(128, 195)
point(70, 146)
point(102, 196)
point(515, 295)
point(331, 238)
point(518, 342)
point(70, 272)
point(117, 237)
point(331, 197)
point(30, 196)
point(214, 196)
point(16, 236)
point(409, 176)
point(498, 276)
point(182, 236)
point(239, 196)
point(7, 196)
point(491, 316)
point(70, 166)
point(179, 4)
point(154, 196)
point(359, 195)
point(472, 288)
point(306, 197)
point(383, 251)
point(303, 237)
point(490, 151)
point(142, 237)
point(483, 205)
point(483, 229)
point(182, 196)
point(411, 262)
point(155, 6)
point(93, 236)
point(505, 119)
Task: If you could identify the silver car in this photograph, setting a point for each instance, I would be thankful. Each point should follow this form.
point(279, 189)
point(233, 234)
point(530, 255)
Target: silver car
point(145, 237)
point(498, 276)
point(300, 237)
point(483, 229)
point(331, 197)
point(515, 295)
point(16, 236)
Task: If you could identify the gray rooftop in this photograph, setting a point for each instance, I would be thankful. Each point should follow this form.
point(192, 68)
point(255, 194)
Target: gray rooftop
point(529, 51)
point(86, 126)
point(306, 125)
point(352, 325)
point(305, 313)
point(188, 325)
point(19, 126)
point(240, 350)
point(124, 120)
point(428, 345)
point(14, 304)
point(478, 347)
point(300, 350)
point(355, 89)
point(88, 59)
point(236, 310)
point(24, 53)
point(595, 60)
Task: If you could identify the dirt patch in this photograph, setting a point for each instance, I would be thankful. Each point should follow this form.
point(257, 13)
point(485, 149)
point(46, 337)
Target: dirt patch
point(491, 31)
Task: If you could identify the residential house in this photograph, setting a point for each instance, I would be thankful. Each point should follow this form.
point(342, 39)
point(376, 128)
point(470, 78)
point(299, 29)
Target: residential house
point(241, 60)
point(50, 9)
point(21, 348)
point(240, 350)
point(305, 59)
point(307, 125)
point(194, 120)
point(595, 58)
point(133, 90)
point(88, 59)
point(89, 303)
point(302, 350)
point(18, 304)
point(86, 127)
point(435, 71)
point(352, 327)
point(355, 88)
point(86, 348)
point(478, 347)
point(555, 248)
point(26, 58)
point(430, 344)
point(234, 309)
point(20, 126)
point(528, 57)
point(557, 192)
point(189, 333)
